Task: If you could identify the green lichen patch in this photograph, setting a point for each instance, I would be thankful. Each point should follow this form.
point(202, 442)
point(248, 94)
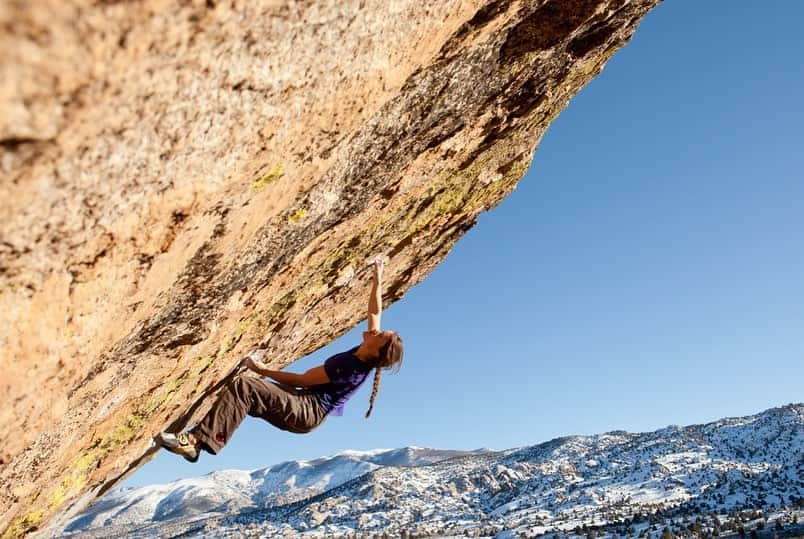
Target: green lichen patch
point(269, 177)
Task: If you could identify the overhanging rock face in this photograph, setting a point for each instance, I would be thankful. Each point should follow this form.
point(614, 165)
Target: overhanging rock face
point(183, 182)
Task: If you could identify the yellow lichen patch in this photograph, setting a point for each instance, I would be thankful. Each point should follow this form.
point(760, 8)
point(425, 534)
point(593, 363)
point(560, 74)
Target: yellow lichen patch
point(585, 71)
point(269, 177)
point(231, 341)
point(244, 324)
point(455, 194)
point(204, 365)
point(77, 473)
point(24, 524)
point(277, 311)
point(76, 478)
point(58, 496)
point(123, 432)
point(450, 197)
point(301, 213)
point(162, 397)
point(228, 344)
point(84, 462)
point(513, 68)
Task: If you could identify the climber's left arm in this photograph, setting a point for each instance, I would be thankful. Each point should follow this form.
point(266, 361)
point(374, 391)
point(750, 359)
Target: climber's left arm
point(311, 377)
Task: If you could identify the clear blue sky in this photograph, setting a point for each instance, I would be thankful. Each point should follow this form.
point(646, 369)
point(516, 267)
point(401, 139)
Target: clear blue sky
point(648, 270)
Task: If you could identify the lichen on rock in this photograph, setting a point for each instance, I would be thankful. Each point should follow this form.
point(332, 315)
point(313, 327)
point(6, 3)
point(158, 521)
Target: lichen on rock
point(184, 181)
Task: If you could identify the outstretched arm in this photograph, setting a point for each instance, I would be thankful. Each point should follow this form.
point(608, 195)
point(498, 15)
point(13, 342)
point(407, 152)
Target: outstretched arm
point(314, 376)
point(375, 299)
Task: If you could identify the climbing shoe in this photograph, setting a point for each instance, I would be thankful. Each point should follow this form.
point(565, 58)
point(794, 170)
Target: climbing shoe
point(179, 444)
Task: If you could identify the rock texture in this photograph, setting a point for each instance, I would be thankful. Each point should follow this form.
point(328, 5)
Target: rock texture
point(181, 181)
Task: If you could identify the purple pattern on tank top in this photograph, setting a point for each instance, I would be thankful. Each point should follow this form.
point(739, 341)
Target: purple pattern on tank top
point(346, 374)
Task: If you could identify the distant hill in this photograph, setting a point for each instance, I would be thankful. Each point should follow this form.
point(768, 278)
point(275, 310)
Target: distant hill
point(699, 480)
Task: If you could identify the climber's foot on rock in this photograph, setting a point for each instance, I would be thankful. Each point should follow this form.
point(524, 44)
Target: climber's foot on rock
point(181, 444)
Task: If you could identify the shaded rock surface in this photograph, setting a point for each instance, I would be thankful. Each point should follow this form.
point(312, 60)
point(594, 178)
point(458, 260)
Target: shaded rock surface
point(180, 182)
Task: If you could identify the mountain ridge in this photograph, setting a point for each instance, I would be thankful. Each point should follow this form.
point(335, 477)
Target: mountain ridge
point(656, 470)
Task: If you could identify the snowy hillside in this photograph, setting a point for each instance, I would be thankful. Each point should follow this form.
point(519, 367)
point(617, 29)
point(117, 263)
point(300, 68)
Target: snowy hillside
point(633, 483)
point(229, 491)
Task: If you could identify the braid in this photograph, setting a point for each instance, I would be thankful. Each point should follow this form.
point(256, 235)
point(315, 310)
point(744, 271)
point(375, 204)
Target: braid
point(374, 391)
point(390, 355)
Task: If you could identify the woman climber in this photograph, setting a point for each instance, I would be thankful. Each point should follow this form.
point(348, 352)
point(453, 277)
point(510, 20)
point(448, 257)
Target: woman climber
point(324, 389)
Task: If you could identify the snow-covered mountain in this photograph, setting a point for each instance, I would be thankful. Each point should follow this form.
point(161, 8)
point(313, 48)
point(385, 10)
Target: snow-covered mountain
point(621, 483)
point(229, 491)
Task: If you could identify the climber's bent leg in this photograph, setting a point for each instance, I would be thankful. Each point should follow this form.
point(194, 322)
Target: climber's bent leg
point(287, 408)
point(224, 417)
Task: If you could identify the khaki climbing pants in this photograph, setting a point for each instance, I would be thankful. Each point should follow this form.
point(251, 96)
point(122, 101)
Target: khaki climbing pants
point(285, 407)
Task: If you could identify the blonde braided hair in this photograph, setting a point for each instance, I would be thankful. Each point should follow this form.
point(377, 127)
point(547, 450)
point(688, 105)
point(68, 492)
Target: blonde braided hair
point(390, 355)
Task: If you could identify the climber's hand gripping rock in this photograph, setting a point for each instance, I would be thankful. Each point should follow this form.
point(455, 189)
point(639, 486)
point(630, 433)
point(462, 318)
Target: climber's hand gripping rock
point(253, 361)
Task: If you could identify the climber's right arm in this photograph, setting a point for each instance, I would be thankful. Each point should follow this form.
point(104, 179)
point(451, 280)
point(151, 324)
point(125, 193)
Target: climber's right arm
point(375, 298)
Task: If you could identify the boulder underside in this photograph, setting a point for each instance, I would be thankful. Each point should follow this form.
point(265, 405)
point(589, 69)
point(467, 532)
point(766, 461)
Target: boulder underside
point(182, 182)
